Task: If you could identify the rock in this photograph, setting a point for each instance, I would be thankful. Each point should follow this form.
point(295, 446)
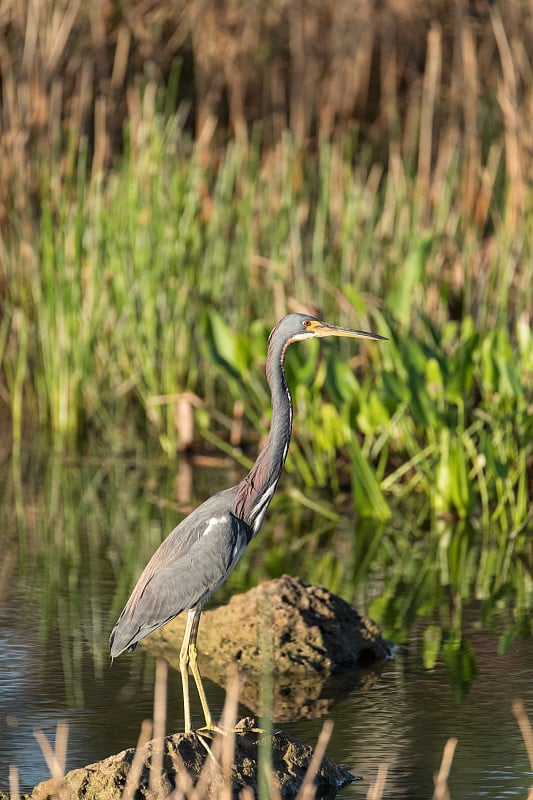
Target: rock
point(311, 630)
point(309, 633)
point(186, 758)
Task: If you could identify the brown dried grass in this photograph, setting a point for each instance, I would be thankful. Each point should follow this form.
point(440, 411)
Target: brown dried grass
point(422, 78)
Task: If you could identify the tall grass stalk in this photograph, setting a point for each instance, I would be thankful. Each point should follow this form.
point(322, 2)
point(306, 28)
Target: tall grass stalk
point(121, 307)
point(121, 263)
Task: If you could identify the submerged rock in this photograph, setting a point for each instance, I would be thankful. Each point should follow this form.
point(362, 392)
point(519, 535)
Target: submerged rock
point(303, 630)
point(189, 758)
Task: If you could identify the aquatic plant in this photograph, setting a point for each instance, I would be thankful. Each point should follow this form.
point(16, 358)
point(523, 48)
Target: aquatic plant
point(132, 282)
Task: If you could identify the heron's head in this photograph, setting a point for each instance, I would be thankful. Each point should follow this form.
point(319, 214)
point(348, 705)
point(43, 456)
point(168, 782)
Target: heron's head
point(295, 327)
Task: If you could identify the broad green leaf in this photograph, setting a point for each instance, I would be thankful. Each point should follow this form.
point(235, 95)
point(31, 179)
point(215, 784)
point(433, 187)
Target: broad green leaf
point(369, 499)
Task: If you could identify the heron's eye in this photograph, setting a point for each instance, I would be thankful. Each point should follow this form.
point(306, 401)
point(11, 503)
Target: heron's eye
point(306, 323)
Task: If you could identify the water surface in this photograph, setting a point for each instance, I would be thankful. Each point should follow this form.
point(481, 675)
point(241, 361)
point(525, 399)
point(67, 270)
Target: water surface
point(74, 537)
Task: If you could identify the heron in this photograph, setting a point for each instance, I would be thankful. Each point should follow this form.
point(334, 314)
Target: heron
point(201, 551)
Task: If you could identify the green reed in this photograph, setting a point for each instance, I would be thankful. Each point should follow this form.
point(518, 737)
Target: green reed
point(147, 281)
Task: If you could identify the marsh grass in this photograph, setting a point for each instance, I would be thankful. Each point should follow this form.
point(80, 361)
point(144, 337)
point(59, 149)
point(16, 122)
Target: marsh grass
point(133, 249)
point(114, 331)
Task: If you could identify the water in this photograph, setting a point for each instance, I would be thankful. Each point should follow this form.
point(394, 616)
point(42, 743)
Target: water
point(408, 717)
point(404, 720)
point(73, 538)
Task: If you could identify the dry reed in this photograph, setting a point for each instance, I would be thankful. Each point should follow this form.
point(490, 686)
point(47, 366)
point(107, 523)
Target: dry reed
point(70, 71)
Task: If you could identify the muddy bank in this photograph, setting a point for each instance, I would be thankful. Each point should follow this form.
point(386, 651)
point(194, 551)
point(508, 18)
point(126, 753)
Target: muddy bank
point(189, 759)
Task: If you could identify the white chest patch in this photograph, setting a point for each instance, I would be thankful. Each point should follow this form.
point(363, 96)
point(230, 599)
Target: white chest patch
point(211, 524)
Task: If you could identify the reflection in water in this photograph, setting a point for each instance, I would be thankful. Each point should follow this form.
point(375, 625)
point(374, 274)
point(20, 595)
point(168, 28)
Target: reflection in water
point(291, 696)
point(73, 539)
point(407, 718)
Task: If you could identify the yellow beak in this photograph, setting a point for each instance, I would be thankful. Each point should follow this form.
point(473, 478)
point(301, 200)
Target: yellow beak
point(325, 329)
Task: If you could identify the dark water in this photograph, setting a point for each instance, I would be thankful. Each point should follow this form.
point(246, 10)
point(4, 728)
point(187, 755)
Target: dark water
point(62, 582)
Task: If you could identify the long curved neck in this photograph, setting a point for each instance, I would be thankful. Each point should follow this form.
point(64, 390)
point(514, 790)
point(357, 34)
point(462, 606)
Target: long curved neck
point(256, 490)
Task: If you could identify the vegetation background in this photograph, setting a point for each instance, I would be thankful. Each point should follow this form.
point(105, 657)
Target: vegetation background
point(177, 176)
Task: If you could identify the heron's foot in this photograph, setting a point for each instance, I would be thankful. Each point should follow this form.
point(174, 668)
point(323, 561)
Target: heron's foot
point(210, 731)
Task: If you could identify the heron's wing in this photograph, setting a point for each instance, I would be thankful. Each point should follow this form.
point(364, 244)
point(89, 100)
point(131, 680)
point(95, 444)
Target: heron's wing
point(188, 566)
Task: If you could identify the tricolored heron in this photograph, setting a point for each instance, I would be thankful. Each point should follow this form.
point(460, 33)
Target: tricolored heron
point(199, 554)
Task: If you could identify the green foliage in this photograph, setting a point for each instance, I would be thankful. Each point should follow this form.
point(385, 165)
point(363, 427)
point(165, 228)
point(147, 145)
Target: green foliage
point(429, 577)
point(459, 402)
point(460, 661)
point(163, 276)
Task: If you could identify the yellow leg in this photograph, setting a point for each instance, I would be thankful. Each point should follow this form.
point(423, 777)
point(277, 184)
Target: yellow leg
point(189, 658)
point(184, 669)
point(193, 660)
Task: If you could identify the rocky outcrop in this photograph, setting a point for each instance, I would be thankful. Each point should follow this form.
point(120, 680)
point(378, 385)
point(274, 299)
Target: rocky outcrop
point(316, 646)
point(302, 630)
point(192, 760)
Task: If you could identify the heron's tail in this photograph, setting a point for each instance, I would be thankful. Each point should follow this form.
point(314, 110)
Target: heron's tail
point(120, 641)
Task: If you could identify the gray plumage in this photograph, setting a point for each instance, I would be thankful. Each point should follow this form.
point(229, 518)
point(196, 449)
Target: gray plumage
point(199, 554)
point(179, 576)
